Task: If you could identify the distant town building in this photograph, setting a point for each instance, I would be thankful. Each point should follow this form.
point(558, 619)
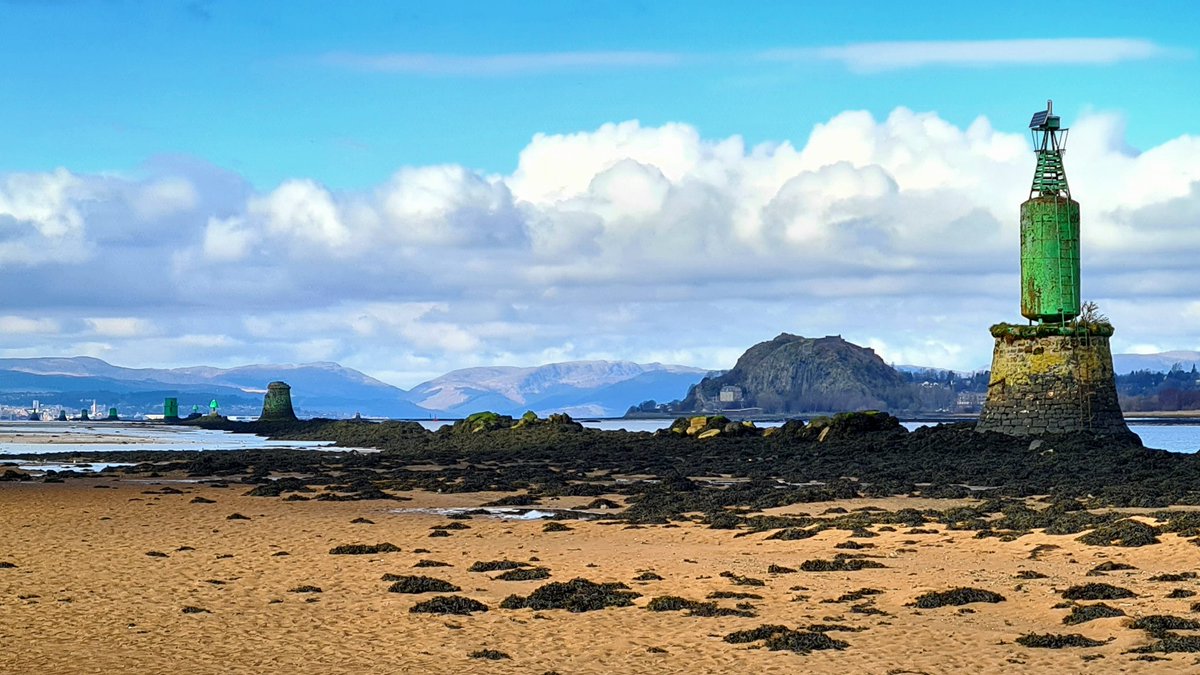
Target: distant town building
point(730, 394)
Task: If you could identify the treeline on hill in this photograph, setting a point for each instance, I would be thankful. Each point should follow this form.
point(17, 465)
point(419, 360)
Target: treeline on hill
point(1145, 390)
point(929, 390)
point(939, 391)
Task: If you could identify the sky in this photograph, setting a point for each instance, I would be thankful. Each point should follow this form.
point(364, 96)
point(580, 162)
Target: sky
point(411, 188)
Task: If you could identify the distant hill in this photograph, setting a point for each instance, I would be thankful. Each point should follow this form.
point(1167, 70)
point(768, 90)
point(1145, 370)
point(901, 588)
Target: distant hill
point(798, 374)
point(318, 389)
point(1159, 363)
point(580, 388)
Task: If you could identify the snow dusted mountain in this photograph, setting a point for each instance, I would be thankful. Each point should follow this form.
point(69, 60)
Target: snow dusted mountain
point(1161, 362)
point(582, 388)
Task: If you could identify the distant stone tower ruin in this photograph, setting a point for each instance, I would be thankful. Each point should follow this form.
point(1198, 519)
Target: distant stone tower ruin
point(277, 404)
point(1054, 375)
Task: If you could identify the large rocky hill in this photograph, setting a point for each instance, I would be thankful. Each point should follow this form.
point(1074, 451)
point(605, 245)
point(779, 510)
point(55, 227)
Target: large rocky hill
point(793, 374)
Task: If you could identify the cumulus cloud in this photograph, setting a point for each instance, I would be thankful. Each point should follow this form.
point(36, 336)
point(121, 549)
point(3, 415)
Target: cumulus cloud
point(626, 241)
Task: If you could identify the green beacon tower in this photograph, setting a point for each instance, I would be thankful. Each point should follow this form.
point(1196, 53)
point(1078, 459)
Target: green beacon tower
point(1049, 230)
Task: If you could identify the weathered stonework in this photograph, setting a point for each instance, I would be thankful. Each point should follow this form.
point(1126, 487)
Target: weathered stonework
point(1051, 385)
point(277, 404)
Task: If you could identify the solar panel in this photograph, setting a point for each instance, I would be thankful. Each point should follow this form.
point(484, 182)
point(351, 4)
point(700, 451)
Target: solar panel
point(1039, 119)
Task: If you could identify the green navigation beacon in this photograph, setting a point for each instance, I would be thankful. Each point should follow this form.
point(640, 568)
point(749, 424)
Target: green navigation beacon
point(1049, 230)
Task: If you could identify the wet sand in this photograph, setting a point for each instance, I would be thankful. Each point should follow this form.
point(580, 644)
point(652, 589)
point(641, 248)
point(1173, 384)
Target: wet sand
point(85, 597)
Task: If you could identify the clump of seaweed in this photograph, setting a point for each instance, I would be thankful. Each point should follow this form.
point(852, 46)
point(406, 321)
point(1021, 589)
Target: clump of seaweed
point(305, 589)
point(601, 503)
point(1029, 574)
point(489, 654)
point(456, 525)
point(362, 521)
point(1173, 576)
point(672, 603)
point(793, 534)
point(201, 500)
point(448, 604)
point(6, 565)
point(855, 596)
point(853, 545)
point(495, 565)
point(439, 533)
point(954, 597)
point(1084, 613)
point(755, 634)
point(191, 609)
point(555, 526)
point(779, 569)
point(803, 642)
point(1109, 566)
point(1180, 593)
point(431, 563)
point(419, 584)
point(576, 595)
point(236, 516)
point(1157, 625)
point(742, 581)
point(1097, 591)
point(733, 595)
point(523, 574)
point(156, 554)
point(364, 549)
point(1054, 641)
point(1169, 644)
point(648, 576)
point(1125, 532)
point(840, 565)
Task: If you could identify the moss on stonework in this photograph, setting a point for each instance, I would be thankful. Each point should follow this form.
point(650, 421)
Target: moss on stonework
point(1011, 331)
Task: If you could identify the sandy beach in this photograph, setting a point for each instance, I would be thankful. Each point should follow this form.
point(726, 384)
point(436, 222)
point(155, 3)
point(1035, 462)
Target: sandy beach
point(102, 570)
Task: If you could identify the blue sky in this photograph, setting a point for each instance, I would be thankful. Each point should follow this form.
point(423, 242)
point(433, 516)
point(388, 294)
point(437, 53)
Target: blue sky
point(411, 188)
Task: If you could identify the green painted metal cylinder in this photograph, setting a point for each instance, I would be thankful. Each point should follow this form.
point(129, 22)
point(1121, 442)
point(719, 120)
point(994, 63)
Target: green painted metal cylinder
point(171, 408)
point(1050, 259)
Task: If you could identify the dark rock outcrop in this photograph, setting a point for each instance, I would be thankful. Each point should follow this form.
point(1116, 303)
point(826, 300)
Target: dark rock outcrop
point(797, 374)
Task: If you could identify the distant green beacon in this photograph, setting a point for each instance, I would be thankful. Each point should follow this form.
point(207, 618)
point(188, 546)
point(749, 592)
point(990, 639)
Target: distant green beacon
point(1049, 230)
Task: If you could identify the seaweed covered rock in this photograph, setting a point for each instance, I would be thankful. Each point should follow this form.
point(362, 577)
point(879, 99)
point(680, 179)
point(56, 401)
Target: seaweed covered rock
point(576, 595)
point(1127, 532)
point(1084, 613)
point(1097, 591)
point(672, 603)
point(954, 597)
point(364, 549)
point(448, 604)
point(419, 584)
point(851, 424)
point(1054, 641)
point(481, 422)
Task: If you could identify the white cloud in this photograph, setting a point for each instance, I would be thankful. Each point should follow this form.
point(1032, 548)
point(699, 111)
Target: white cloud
point(499, 64)
point(22, 325)
point(869, 57)
point(120, 327)
point(631, 241)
